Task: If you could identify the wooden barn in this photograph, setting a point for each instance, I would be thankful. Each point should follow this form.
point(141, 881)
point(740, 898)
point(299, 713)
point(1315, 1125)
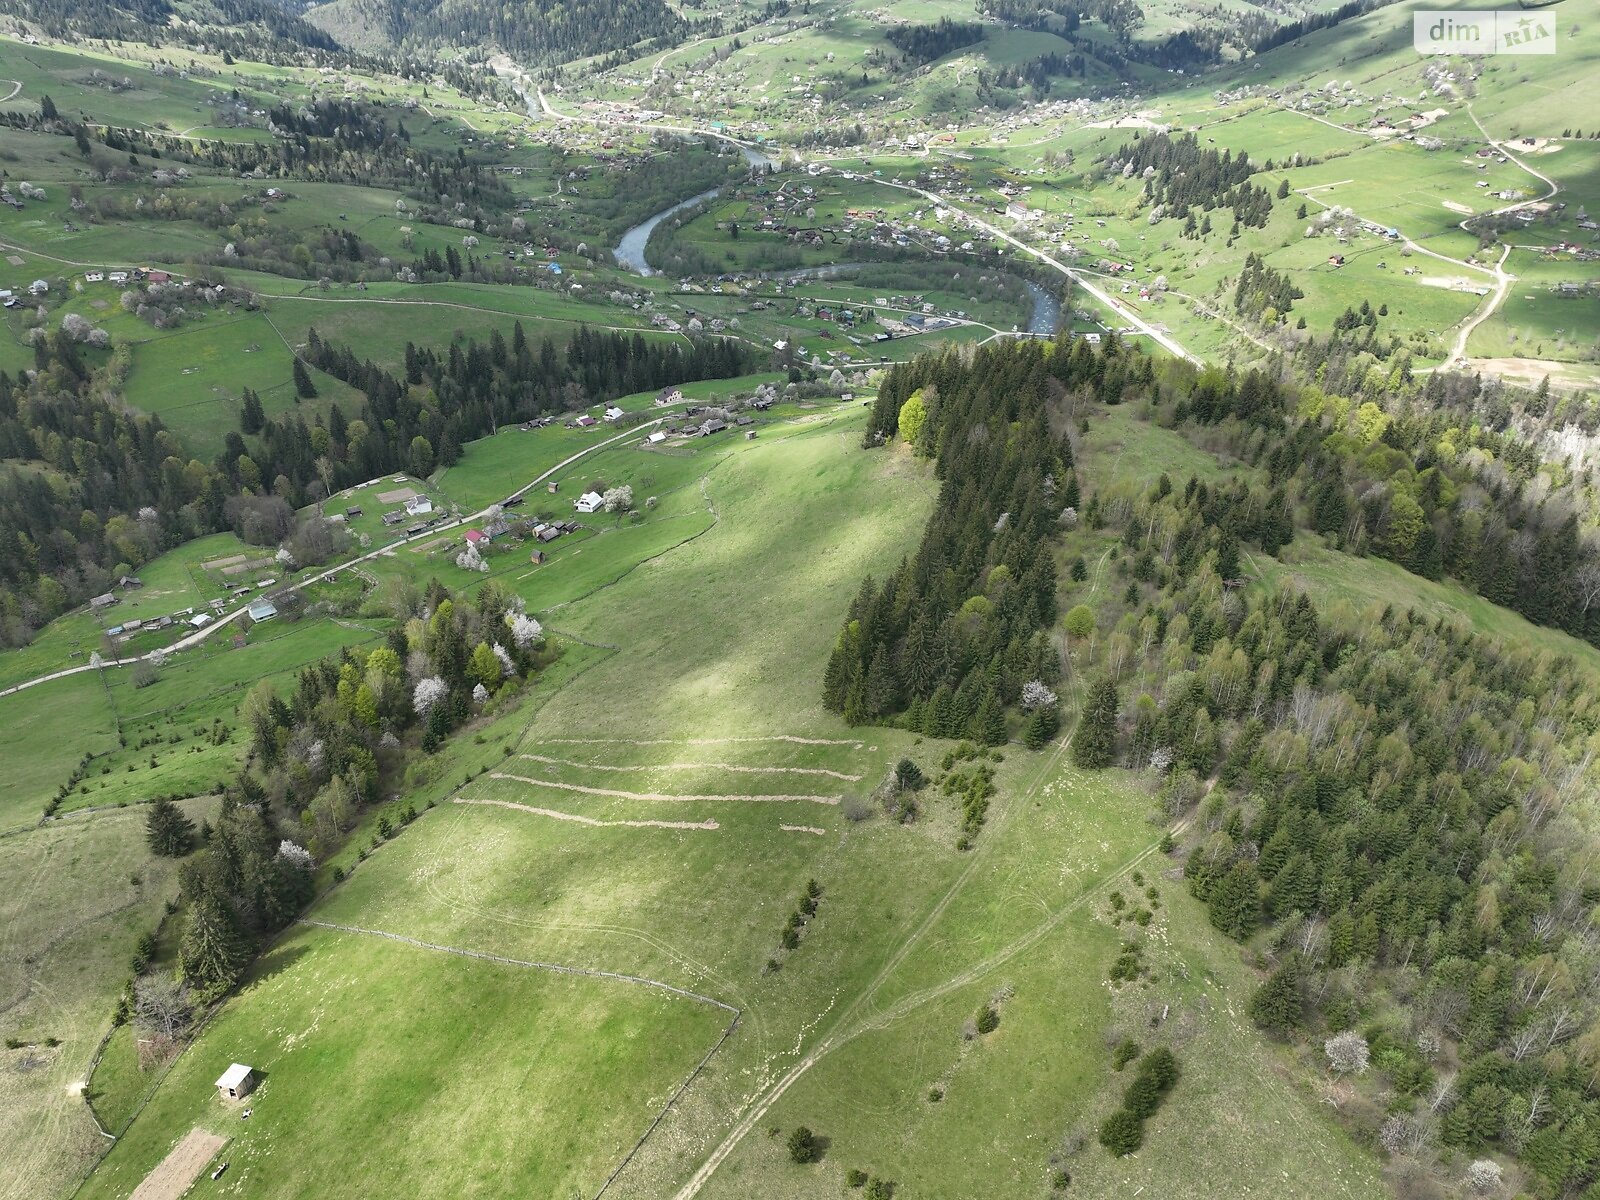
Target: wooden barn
point(237, 1082)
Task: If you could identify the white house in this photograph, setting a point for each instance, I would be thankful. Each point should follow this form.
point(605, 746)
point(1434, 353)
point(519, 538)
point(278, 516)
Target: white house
point(119, 277)
point(419, 506)
point(589, 502)
point(94, 277)
point(38, 287)
point(613, 413)
point(263, 610)
point(657, 436)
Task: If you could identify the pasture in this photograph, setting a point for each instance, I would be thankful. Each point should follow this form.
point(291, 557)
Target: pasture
point(74, 898)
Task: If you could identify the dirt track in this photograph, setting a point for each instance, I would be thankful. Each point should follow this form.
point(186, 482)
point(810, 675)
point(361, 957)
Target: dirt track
point(181, 1167)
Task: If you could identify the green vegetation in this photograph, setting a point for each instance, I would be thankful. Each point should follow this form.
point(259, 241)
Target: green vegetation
point(809, 818)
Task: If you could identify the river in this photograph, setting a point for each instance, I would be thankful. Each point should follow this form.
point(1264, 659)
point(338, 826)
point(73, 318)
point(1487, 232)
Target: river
point(629, 252)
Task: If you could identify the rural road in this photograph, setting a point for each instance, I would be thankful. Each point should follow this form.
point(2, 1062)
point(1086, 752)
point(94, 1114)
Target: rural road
point(199, 635)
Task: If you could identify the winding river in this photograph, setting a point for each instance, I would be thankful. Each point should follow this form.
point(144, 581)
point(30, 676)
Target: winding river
point(629, 252)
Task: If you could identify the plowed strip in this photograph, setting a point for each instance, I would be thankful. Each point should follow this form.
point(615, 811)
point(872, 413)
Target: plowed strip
point(181, 1167)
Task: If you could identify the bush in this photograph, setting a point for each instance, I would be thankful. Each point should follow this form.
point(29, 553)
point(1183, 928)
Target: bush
point(988, 1019)
point(880, 1189)
point(1125, 1053)
point(802, 1145)
point(855, 1177)
point(1121, 1133)
point(856, 809)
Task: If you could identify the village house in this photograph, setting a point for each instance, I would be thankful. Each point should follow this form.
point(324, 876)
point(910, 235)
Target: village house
point(589, 502)
point(613, 413)
point(262, 610)
point(666, 396)
point(419, 506)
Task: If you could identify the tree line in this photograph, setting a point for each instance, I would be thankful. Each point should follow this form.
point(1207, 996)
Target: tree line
point(92, 489)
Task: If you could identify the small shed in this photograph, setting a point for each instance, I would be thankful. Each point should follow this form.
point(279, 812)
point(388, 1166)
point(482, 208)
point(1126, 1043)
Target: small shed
point(536, 558)
point(237, 1082)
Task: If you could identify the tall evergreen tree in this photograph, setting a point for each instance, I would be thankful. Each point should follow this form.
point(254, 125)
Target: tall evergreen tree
point(212, 951)
point(168, 832)
point(303, 386)
point(1094, 745)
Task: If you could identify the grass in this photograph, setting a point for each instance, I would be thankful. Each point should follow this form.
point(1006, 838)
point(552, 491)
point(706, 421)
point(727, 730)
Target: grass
point(1363, 582)
point(49, 730)
point(911, 935)
point(398, 1063)
point(74, 897)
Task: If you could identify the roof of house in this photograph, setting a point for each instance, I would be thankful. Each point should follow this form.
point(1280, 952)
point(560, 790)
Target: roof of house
point(262, 609)
point(591, 498)
point(234, 1076)
point(474, 535)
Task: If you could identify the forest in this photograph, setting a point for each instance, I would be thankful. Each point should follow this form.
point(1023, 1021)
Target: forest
point(318, 758)
point(921, 44)
point(1180, 175)
point(1380, 803)
point(538, 31)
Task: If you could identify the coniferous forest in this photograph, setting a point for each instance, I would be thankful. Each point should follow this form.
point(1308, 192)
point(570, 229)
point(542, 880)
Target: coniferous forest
point(1382, 804)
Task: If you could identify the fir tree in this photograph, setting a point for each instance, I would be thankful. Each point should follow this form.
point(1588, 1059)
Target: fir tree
point(303, 387)
point(212, 951)
point(168, 832)
point(1094, 744)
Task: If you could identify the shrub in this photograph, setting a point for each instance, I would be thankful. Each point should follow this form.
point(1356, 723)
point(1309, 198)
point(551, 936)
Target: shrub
point(880, 1189)
point(802, 1145)
point(988, 1019)
point(855, 1177)
point(1121, 1133)
point(1125, 1053)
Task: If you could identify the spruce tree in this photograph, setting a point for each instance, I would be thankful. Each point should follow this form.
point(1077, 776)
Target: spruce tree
point(1235, 902)
point(168, 832)
point(1094, 744)
point(303, 387)
point(1276, 1005)
point(212, 951)
point(251, 418)
point(1041, 727)
point(989, 722)
point(882, 689)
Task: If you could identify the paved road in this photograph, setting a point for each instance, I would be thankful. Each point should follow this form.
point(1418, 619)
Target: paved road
point(201, 634)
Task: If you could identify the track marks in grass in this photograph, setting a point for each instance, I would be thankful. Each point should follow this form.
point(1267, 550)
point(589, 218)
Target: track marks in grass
point(707, 824)
point(820, 832)
point(692, 766)
point(615, 794)
point(726, 741)
point(558, 968)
